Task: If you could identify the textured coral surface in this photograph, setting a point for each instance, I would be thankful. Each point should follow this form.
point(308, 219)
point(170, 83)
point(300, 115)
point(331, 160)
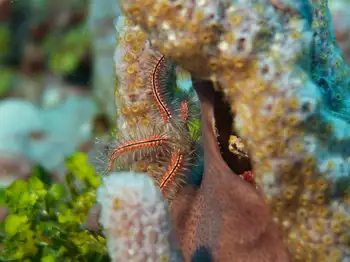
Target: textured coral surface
point(287, 84)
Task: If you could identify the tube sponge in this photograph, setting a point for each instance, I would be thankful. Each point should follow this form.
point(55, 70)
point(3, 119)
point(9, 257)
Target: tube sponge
point(135, 219)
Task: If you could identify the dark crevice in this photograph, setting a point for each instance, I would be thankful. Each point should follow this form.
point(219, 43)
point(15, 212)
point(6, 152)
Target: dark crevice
point(202, 254)
point(224, 126)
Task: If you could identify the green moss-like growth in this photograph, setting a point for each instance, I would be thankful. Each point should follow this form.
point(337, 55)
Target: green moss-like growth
point(46, 220)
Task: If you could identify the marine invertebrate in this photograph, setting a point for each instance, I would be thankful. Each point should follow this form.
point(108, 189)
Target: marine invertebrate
point(153, 125)
point(266, 60)
point(155, 81)
point(124, 197)
point(175, 165)
point(149, 142)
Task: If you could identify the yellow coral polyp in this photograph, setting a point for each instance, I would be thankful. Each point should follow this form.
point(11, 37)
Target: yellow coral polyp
point(230, 38)
point(286, 167)
point(235, 19)
point(304, 200)
point(135, 108)
point(130, 122)
point(330, 165)
point(129, 22)
point(292, 120)
point(334, 255)
point(335, 227)
point(321, 184)
point(310, 186)
point(308, 172)
point(260, 86)
point(140, 37)
point(302, 213)
point(164, 7)
point(199, 15)
point(131, 88)
point(146, 105)
point(289, 193)
point(305, 235)
point(153, 168)
point(213, 65)
point(189, 43)
point(327, 239)
point(164, 258)
point(128, 57)
point(298, 146)
point(129, 37)
point(309, 161)
point(134, 12)
point(322, 211)
point(289, 132)
point(124, 110)
point(278, 110)
point(139, 81)
point(240, 63)
point(146, 122)
point(136, 48)
point(131, 69)
point(178, 22)
point(206, 37)
point(318, 226)
point(296, 35)
point(156, 12)
point(193, 27)
point(320, 198)
point(343, 238)
point(293, 103)
point(259, 8)
point(347, 222)
point(142, 165)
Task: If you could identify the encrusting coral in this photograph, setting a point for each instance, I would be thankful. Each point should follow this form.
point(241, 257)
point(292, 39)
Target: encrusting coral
point(153, 135)
point(281, 72)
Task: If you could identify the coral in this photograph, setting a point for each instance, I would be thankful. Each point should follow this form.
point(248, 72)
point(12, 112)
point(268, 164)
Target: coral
point(279, 68)
point(154, 126)
point(135, 219)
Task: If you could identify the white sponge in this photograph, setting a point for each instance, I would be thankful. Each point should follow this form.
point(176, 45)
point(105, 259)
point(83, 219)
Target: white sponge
point(135, 219)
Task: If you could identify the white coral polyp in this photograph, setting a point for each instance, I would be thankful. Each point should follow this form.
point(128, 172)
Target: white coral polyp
point(134, 217)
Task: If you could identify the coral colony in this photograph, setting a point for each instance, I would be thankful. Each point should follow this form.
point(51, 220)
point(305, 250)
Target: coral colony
point(288, 89)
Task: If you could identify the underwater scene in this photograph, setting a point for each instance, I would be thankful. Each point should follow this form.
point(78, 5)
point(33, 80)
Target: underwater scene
point(174, 131)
